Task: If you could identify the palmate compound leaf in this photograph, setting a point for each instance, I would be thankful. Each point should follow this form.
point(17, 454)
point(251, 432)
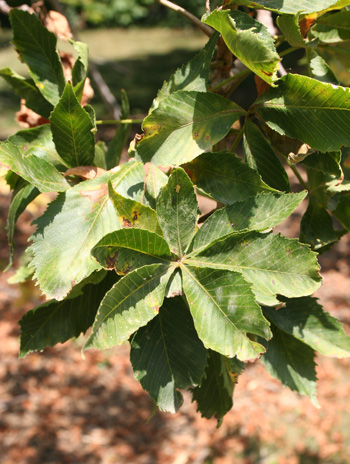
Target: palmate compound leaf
point(37, 48)
point(309, 110)
point(193, 75)
point(249, 40)
point(130, 304)
point(291, 362)
point(224, 310)
point(185, 124)
point(167, 354)
point(72, 130)
point(132, 213)
point(37, 171)
point(293, 7)
point(73, 224)
point(225, 177)
point(58, 321)
point(128, 249)
point(304, 319)
point(214, 395)
point(177, 210)
point(260, 212)
point(272, 263)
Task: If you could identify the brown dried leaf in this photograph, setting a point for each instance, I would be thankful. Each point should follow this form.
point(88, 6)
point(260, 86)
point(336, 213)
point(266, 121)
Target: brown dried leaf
point(85, 172)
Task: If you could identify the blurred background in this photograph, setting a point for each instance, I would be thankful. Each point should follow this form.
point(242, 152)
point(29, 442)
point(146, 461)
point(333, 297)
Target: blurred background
point(56, 407)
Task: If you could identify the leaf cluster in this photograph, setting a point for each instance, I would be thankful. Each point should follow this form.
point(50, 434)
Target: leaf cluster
point(124, 249)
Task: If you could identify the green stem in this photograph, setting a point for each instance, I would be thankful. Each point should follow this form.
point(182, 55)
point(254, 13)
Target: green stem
point(287, 51)
point(239, 77)
point(300, 179)
point(237, 139)
point(119, 121)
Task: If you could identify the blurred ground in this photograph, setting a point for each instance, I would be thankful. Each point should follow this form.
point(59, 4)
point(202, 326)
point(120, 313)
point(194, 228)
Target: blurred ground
point(57, 408)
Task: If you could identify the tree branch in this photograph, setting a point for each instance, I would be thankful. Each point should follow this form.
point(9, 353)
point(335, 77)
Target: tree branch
point(172, 6)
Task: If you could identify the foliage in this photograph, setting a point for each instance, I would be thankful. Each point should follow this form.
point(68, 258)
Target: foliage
point(125, 251)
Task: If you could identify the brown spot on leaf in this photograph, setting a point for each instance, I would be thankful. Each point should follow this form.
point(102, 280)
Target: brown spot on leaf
point(85, 172)
point(135, 215)
point(127, 223)
point(95, 195)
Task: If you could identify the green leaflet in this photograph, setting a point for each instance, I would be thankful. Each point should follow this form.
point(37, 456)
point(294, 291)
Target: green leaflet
point(289, 25)
point(38, 141)
point(260, 156)
point(184, 125)
point(306, 109)
point(40, 173)
point(332, 28)
point(291, 6)
point(316, 226)
point(72, 225)
point(249, 40)
point(143, 243)
point(340, 208)
point(291, 362)
point(261, 212)
point(130, 304)
point(319, 69)
point(304, 319)
point(80, 68)
point(272, 263)
point(214, 395)
point(167, 354)
point(72, 130)
point(37, 48)
point(57, 321)
point(154, 182)
point(132, 213)
point(177, 211)
point(225, 177)
point(26, 89)
point(23, 194)
point(121, 135)
point(223, 308)
point(193, 75)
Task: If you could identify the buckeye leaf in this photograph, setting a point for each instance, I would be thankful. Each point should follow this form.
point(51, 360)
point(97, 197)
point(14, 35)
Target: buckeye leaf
point(40, 173)
point(291, 6)
point(260, 156)
point(225, 177)
point(332, 27)
point(131, 213)
point(291, 362)
point(37, 48)
point(144, 246)
point(177, 211)
point(155, 181)
point(70, 227)
point(319, 69)
point(224, 310)
point(184, 125)
point(167, 354)
point(272, 263)
point(23, 194)
point(71, 129)
point(261, 212)
point(38, 141)
point(193, 75)
point(304, 319)
point(214, 395)
point(289, 25)
point(27, 89)
point(312, 111)
point(58, 321)
point(249, 40)
point(130, 304)
point(316, 226)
